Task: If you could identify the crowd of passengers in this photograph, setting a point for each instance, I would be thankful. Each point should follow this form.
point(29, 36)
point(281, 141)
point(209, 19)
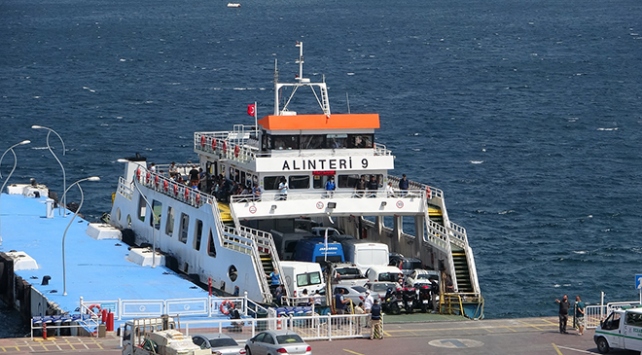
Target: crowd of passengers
point(223, 188)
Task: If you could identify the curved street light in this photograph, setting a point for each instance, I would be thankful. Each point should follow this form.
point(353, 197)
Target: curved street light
point(155, 218)
point(64, 178)
point(64, 235)
point(15, 163)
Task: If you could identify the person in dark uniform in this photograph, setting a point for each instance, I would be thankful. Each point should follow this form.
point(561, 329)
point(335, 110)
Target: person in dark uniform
point(376, 332)
point(563, 313)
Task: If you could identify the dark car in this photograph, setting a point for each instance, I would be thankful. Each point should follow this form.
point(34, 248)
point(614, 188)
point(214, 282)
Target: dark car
point(219, 344)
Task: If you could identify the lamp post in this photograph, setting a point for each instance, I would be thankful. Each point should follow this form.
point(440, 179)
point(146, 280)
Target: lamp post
point(64, 178)
point(151, 209)
point(64, 235)
point(15, 163)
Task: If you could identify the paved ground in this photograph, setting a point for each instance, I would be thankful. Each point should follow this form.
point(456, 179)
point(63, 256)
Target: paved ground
point(528, 336)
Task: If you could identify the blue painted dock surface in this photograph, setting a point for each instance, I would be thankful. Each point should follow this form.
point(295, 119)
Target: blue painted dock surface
point(95, 269)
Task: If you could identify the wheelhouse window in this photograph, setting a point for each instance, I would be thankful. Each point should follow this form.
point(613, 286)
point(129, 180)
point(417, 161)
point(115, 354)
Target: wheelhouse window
point(286, 142)
point(336, 141)
point(360, 140)
point(312, 142)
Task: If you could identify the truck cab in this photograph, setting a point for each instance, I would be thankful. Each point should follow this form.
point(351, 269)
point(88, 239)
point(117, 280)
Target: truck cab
point(622, 329)
point(158, 336)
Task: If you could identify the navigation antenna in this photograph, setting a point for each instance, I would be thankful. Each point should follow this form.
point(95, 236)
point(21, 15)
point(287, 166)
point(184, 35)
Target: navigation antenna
point(322, 96)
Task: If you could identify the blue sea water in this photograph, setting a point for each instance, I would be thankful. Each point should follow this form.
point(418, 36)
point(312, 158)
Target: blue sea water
point(527, 114)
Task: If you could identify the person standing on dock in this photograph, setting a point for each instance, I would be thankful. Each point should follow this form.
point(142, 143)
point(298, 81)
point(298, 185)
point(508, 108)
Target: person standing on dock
point(579, 314)
point(563, 313)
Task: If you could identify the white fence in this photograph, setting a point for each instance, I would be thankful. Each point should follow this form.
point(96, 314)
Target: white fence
point(595, 313)
point(311, 327)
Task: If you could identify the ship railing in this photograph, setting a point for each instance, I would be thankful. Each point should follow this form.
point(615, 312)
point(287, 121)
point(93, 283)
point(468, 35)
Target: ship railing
point(208, 306)
point(237, 146)
point(124, 188)
point(415, 188)
point(161, 183)
point(381, 150)
point(262, 242)
point(458, 234)
point(340, 193)
point(594, 314)
point(438, 236)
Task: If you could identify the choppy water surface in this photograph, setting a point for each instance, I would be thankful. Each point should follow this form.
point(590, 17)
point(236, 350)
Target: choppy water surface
point(527, 115)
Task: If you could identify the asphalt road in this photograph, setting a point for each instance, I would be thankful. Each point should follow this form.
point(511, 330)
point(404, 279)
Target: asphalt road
point(528, 336)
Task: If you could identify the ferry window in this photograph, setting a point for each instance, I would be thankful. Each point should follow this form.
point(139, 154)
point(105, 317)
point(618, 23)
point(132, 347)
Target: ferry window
point(169, 222)
point(634, 319)
point(349, 181)
point(211, 247)
point(360, 140)
point(183, 230)
point(266, 142)
point(299, 182)
point(198, 231)
point(243, 178)
point(336, 141)
point(286, 142)
point(142, 208)
point(312, 142)
point(318, 181)
point(157, 208)
point(272, 182)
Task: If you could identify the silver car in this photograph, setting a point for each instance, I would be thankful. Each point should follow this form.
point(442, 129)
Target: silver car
point(277, 342)
point(219, 344)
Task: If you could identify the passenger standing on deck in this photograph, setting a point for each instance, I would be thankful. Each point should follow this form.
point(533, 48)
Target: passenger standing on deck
point(373, 186)
point(563, 313)
point(330, 186)
point(579, 314)
point(403, 185)
point(390, 191)
point(283, 189)
point(375, 321)
point(360, 187)
point(194, 177)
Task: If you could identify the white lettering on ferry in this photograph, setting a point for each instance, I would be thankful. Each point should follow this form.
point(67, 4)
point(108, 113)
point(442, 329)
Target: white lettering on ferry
point(318, 164)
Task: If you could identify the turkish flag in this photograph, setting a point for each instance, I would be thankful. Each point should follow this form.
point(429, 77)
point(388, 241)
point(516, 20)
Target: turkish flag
point(251, 109)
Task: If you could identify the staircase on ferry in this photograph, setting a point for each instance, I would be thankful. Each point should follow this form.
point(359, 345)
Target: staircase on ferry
point(462, 270)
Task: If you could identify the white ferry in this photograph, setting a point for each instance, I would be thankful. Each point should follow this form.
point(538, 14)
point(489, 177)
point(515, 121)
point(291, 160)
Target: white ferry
point(226, 241)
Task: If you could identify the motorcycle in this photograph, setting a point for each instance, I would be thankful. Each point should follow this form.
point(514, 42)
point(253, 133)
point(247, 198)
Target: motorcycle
point(424, 297)
point(391, 303)
point(409, 298)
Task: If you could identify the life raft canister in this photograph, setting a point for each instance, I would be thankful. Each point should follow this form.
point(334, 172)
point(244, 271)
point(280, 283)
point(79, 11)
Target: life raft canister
point(202, 141)
point(198, 198)
point(165, 185)
point(175, 189)
point(156, 180)
point(186, 193)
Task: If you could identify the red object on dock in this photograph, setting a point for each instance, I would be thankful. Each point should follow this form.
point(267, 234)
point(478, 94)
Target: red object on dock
point(103, 316)
point(110, 322)
point(44, 330)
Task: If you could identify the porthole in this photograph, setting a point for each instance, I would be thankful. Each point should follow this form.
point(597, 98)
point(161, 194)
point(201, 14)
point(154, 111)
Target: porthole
point(232, 273)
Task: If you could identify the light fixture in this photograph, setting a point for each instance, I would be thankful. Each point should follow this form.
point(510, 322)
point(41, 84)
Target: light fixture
point(383, 203)
point(273, 207)
point(332, 205)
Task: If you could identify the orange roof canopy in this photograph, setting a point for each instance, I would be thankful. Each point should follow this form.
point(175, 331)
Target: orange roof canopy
point(341, 121)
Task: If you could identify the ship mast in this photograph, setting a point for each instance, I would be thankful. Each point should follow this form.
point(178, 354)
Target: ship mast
point(321, 96)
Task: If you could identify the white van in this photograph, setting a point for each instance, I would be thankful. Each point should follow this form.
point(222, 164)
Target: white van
point(384, 273)
point(365, 254)
point(622, 329)
point(299, 276)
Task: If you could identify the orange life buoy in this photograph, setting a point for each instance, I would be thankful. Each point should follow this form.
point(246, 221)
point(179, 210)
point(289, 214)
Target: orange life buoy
point(202, 141)
point(237, 150)
point(94, 308)
point(224, 147)
point(175, 189)
point(186, 193)
point(148, 176)
point(214, 144)
point(138, 174)
point(156, 180)
point(165, 185)
point(226, 307)
point(428, 192)
point(198, 198)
